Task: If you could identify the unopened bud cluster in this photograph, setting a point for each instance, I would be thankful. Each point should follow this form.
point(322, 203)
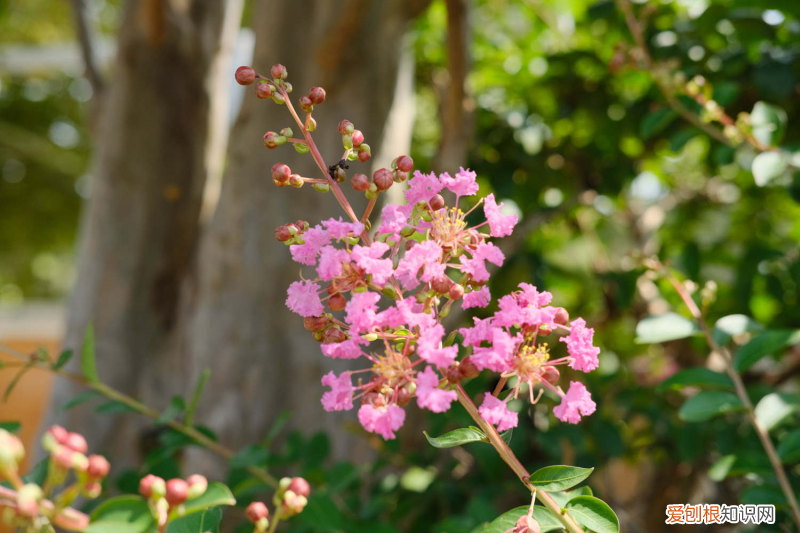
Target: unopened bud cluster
point(166, 498)
point(289, 500)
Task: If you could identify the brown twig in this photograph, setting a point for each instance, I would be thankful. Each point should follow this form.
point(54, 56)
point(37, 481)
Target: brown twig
point(85, 42)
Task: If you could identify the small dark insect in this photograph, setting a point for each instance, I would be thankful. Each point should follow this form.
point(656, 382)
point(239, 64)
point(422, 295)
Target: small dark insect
point(341, 164)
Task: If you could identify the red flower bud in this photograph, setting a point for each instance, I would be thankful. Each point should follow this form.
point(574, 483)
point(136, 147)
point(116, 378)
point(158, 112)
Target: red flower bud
point(399, 176)
point(526, 524)
point(256, 511)
point(437, 202)
point(442, 284)
point(300, 487)
point(468, 368)
point(306, 104)
point(358, 138)
point(551, 374)
point(544, 330)
point(302, 225)
point(382, 178)
point(59, 434)
point(346, 127)
point(360, 182)
point(317, 95)
point(98, 466)
point(456, 292)
point(562, 316)
point(197, 486)
point(284, 233)
point(269, 139)
point(405, 163)
point(337, 302)
point(333, 336)
point(263, 91)
point(453, 375)
point(403, 397)
point(364, 153)
point(147, 484)
point(281, 172)
point(315, 323)
point(63, 457)
point(245, 75)
point(76, 442)
point(296, 181)
point(177, 491)
point(278, 72)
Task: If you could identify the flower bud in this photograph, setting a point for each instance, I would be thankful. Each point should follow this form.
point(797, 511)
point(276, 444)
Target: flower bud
point(177, 491)
point(317, 95)
point(278, 98)
point(152, 487)
point(347, 141)
point(346, 127)
point(28, 498)
point(551, 374)
point(11, 450)
point(287, 87)
point(526, 524)
point(382, 178)
point(337, 302)
point(59, 434)
point(321, 187)
point(437, 202)
point(301, 148)
point(296, 181)
point(562, 316)
point(300, 487)
point(76, 442)
point(311, 124)
point(263, 91)
point(456, 292)
point(256, 511)
point(245, 75)
point(333, 336)
point(358, 138)
point(315, 323)
point(92, 489)
point(441, 284)
point(544, 330)
point(269, 139)
point(371, 192)
point(364, 153)
point(281, 172)
point(399, 176)
point(453, 374)
point(405, 163)
point(468, 368)
point(340, 174)
point(278, 72)
point(306, 104)
point(197, 486)
point(403, 397)
point(285, 232)
point(98, 466)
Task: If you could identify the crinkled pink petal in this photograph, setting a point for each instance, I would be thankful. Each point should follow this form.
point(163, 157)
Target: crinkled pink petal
point(303, 298)
point(429, 347)
point(481, 331)
point(530, 295)
point(500, 355)
point(427, 254)
point(381, 420)
point(495, 411)
point(429, 396)
point(516, 311)
point(330, 262)
point(339, 229)
point(422, 187)
point(394, 218)
point(405, 312)
point(485, 251)
point(314, 238)
point(576, 402)
point(349, 349)
point(340, 397)
point(579, 345)
point(369, 258)
point(479, 298)
point(360, 311)
point(463, 184)
point(499, 225)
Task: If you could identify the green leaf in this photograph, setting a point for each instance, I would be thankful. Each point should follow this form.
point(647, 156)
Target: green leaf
point(775, 408)
point(768, 166)
point(15, 381)
point(507, 520)
point(764, 344)
point(559, 477)
point(768, 123)
point(763, 495)
point(216, 494)
point(63, 359)
point(740, 465)
point(666, 327)
point(198, 392)
point(789, 447)
point(198, 522)
point(457, 437)
point(729, 326)
point(176, 407)
point(656, 122)
point(79, 399)
point(594, 514)
point(562, 498)
point(11, 427)
point(37, 475)
point(506, 435)
point(251, 455)
point(114, 407)
point(696, 377)
point(88, 362)
point(125, 514)
point(322, 514)
point(708, 404)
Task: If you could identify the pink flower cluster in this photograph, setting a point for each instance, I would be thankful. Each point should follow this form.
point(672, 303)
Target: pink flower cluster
point(401, 282)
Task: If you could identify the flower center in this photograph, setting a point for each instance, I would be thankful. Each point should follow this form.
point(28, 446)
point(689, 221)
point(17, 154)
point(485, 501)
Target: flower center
point(393, 367)
point(530, 360)
point(447, 224)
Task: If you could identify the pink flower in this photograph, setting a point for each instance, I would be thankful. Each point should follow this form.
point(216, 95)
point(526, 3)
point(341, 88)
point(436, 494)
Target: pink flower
point(303, 298)
point(482, 331)
point(429, 396)
point(422, 187)
point(499, 356)
point(394, 218)
point(495, 411)
point(427, 254)
point(314, 238)
point(330, 262)
point(479, 298)
point(369, 258)
point(407, 312)
point(580, 348)
point(514, 310)
point(463, 184)
point(382, 420)
point(531, 296)
point(340, 230)
point(360, 310)
point(485, 251)
point(575, 403)
point(340, 397)
point(429, 347)
point(499, 225)
point(349, 349)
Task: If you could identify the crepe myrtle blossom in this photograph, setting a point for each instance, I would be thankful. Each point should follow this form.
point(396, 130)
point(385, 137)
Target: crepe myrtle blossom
point(377, 295)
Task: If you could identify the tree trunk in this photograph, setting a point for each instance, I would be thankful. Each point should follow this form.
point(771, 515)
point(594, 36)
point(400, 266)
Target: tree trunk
point(262, 360)
point(139, 230)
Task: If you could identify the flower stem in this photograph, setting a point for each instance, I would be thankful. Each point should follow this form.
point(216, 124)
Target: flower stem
point(511, 460)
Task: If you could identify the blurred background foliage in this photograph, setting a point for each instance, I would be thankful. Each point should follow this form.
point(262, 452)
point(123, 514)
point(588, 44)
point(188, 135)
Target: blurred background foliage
point(575, 134)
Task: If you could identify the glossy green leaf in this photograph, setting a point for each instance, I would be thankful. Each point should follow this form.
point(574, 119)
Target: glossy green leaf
point(562, 498)
point(206, 521)
point(11, 427)
point(457, 437)
point(506, 521)
point(176, 407)
point(79, 399)
point(125, 514)
point(707, 405)
point(763, 495)
point(656, 122)
point(594, 514)
point(767, 166)
point(729, 326)
point(114, 407)
point(763, 344)
point(63, 359)
point(88, 361)
point(789, 447)
point(663, 328)
point(559, 477)
point(696, 377)
point(506, 435)
point(216, 494)
point(740, 464)
point(775, 408)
